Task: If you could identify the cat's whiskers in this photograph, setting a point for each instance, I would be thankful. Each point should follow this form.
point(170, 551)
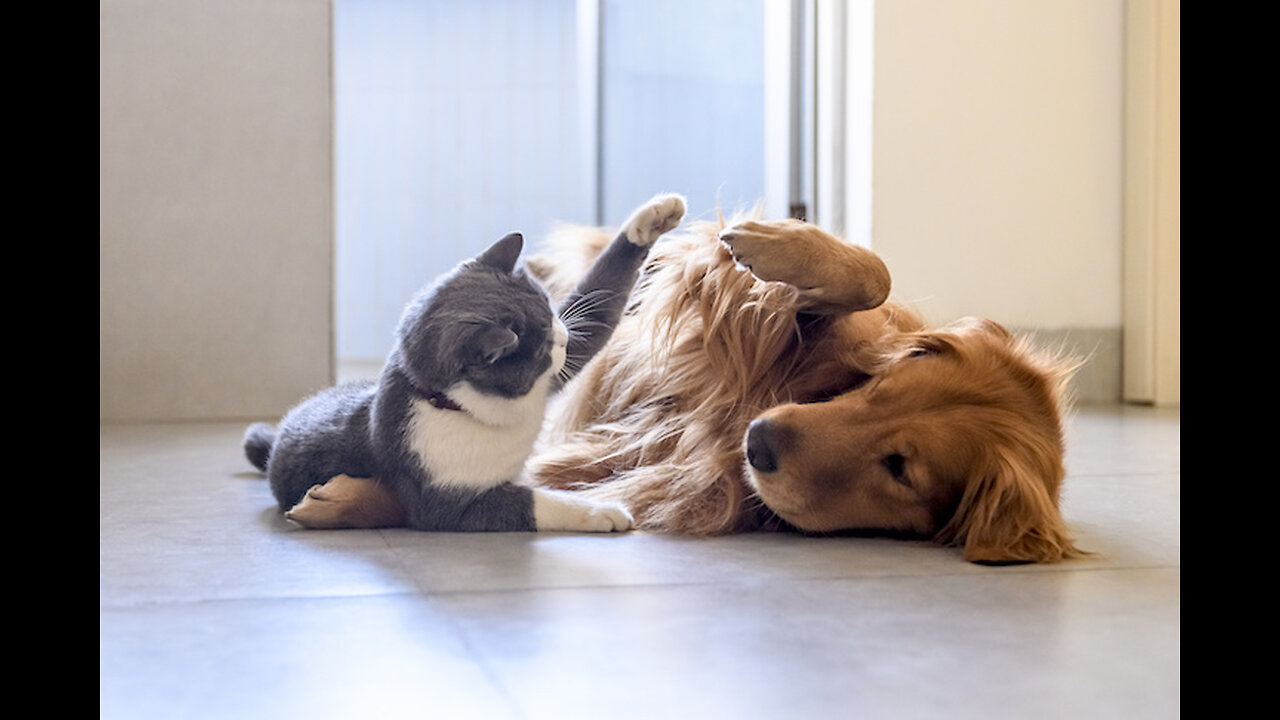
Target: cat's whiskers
point(578, 318)
point(583, 305)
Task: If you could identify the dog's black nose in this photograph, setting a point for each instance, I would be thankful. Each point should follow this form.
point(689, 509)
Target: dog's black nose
point(762, 445)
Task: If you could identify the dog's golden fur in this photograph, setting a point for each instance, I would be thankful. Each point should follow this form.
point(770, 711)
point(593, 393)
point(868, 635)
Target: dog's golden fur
point(660, 420)
point(762, 378)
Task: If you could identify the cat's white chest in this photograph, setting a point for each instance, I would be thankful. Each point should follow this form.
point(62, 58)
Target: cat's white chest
point(482, 446)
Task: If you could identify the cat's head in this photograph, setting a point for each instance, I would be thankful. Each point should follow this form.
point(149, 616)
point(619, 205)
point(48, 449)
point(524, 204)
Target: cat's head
point(486, 323)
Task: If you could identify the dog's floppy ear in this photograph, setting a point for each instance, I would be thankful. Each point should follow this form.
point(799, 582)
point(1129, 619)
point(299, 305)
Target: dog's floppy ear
point(1009, 514)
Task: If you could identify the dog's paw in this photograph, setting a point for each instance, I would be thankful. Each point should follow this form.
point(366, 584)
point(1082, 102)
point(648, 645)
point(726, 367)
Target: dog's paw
point(555, 510)
point(319, 509)
point(832, 275)
point(660, 215)
point(772, 251)
point(347, 502)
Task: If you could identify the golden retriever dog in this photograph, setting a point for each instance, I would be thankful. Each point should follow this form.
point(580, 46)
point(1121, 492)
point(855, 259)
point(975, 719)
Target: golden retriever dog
point(762, 379)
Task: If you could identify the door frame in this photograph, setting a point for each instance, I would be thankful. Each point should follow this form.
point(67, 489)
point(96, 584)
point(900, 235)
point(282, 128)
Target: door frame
point(1152, 203)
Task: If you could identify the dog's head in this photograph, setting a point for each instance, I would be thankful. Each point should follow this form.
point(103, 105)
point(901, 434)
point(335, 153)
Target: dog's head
point(957, 436)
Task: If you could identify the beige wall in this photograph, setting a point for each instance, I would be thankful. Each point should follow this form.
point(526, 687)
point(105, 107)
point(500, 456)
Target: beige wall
point(216, 226)
point(997, 158)
point(998, 166)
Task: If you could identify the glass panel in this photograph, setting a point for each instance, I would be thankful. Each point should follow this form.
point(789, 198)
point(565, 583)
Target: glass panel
point(455, 123)
point(682, 104)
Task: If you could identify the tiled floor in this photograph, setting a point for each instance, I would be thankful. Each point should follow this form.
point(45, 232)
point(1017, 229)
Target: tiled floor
point(213, 607)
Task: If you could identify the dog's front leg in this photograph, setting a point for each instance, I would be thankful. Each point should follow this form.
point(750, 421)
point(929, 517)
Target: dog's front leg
point(833, 276)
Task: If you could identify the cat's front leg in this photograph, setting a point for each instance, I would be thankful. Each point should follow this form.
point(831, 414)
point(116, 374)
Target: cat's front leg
point(556, 510)
point(653, 219)
point(592, 311)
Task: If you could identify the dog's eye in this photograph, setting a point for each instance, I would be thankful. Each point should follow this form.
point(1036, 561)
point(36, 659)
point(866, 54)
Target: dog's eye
point(897, 467)
point(854, 383)
point(922, 350)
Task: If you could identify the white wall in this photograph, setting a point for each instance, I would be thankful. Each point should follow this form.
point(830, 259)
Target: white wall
point(997, 159)
point(215, 212)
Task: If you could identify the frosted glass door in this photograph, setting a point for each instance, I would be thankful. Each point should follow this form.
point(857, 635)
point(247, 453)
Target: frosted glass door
point(681, 103)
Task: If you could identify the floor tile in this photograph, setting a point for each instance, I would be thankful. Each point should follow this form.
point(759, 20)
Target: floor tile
point(388, 657)
point(213, 606)
point(1015, 645)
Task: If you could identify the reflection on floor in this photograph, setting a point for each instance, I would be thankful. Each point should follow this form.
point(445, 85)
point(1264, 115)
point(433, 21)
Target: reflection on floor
point(212, 606)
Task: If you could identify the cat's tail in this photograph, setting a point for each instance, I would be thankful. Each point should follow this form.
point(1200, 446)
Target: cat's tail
point(258, 440)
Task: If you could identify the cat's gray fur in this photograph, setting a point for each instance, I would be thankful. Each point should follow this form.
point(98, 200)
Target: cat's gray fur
point(460, 400)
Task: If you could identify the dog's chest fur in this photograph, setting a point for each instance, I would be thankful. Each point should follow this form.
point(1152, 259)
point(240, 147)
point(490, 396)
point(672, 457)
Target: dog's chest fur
point(480, 447)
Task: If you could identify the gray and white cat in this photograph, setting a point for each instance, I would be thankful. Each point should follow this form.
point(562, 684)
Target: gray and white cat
point(463, 395)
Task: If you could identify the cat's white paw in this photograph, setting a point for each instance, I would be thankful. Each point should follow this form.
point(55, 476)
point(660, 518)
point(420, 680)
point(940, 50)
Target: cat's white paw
point(556, 510)
point(660, 215)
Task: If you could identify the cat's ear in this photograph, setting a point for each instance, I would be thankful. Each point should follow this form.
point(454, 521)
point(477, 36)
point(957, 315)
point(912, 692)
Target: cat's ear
point(503, 254)
point(492, 344)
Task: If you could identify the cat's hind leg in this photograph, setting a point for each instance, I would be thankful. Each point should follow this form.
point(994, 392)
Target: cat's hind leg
point(347, 502)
